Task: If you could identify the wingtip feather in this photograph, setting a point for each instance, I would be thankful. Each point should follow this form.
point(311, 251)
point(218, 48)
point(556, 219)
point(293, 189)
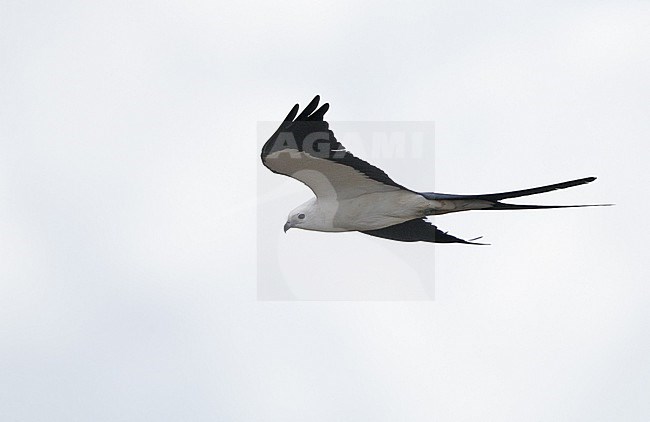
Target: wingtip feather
point(320, 113)
point(473, 241)
point(310, 108)
point(292, 113)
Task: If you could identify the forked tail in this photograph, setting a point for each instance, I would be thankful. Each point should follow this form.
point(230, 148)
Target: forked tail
point(494, 198)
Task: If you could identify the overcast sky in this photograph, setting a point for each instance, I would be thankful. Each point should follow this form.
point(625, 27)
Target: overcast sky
point(131, 197)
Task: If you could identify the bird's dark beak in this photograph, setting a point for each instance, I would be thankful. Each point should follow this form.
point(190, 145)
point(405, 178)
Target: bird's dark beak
point(287, 226)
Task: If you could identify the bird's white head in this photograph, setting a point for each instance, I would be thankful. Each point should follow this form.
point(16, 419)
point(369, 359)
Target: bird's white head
point(314, 215)
point(302, 217)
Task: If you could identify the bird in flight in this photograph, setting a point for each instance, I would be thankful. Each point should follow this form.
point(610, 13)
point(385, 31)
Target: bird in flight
point(353, 195)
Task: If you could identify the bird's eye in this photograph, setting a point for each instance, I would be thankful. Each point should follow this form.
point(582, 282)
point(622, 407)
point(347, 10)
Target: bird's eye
point(301, 216)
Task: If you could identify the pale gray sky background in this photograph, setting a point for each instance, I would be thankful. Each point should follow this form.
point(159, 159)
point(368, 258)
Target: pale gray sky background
point(129, 171)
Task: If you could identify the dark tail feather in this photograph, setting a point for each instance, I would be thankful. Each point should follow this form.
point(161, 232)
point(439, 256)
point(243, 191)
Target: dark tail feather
point(493, 197)
point(533, 191)
point(502, 206)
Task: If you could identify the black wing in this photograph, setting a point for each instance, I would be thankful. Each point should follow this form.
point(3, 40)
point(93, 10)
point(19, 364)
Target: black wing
point(306, 149)
point(419, 230)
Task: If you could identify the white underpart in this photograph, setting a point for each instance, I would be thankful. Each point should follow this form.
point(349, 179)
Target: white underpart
point(379, 210)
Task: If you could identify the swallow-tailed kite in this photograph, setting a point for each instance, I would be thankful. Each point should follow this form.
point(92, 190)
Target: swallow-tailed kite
point(353, 195)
